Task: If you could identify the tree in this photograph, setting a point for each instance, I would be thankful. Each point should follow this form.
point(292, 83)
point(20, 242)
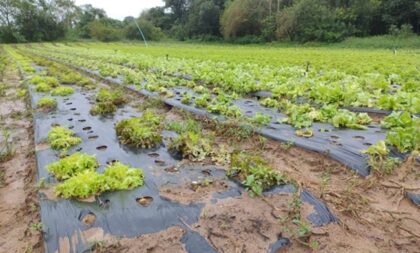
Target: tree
point(204, 17)
point(308, 20)
point(150, 31)
point(243, 17)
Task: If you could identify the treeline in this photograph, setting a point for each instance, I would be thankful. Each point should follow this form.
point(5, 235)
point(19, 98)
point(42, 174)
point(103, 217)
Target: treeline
point(241, 21)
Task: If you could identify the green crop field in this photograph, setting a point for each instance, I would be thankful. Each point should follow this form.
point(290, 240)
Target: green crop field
point(223, 138)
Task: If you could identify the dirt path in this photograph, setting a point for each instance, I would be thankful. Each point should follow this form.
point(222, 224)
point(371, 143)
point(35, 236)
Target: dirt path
point(19, 214)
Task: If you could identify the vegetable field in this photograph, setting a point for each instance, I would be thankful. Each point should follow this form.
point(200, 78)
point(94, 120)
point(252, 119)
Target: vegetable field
point(217, 148)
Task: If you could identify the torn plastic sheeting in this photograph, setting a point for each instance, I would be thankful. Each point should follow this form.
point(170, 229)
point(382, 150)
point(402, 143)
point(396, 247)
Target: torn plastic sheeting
point(279, 245)
point(414, 197)
point(195, 243)
point(321, 215)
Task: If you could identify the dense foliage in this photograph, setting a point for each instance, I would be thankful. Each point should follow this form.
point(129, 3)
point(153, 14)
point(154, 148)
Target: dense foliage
point(242, 21)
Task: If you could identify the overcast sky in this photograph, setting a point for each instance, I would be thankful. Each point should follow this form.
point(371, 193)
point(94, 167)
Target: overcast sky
point(119, 9)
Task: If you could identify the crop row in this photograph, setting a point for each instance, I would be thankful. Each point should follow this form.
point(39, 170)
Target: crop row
point(394, 91)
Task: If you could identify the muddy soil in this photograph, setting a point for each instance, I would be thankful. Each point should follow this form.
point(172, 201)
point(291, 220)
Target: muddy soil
point(18, 199)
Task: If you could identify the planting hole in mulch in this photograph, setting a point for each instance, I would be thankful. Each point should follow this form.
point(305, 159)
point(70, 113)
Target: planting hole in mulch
point(153, 154)
point(145, 201)
point(361, 138)
point(102, 148)
point(109, 162)
point(87, 128)
point(160, 162)
point(93, 137)
point(87, 217)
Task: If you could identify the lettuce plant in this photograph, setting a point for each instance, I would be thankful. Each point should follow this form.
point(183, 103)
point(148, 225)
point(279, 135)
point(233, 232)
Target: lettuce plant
point(87, 183)
point(62, 138)
point(73, 164)
point(191, 145)
point(143, 132)
point(47, 103)
point(62, 91)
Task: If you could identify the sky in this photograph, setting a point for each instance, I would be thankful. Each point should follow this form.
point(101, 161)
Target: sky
point(120, 9)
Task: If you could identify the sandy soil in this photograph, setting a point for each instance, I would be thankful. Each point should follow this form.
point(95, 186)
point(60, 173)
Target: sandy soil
point(18, 208)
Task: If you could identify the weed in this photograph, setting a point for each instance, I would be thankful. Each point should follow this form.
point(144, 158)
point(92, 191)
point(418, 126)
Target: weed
point(378, 159)
point(151, 102)
point(254, 173)
point(2, 89)
point(21, 93)
point(261, 119)
point(103, 108)
point(42, 183)
point(325, 180)
point(295, 205)
point(189, 125)
point(33, 207)
point(37, 226)
point(6, 148)
point(1, 178)
point(287, 145)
